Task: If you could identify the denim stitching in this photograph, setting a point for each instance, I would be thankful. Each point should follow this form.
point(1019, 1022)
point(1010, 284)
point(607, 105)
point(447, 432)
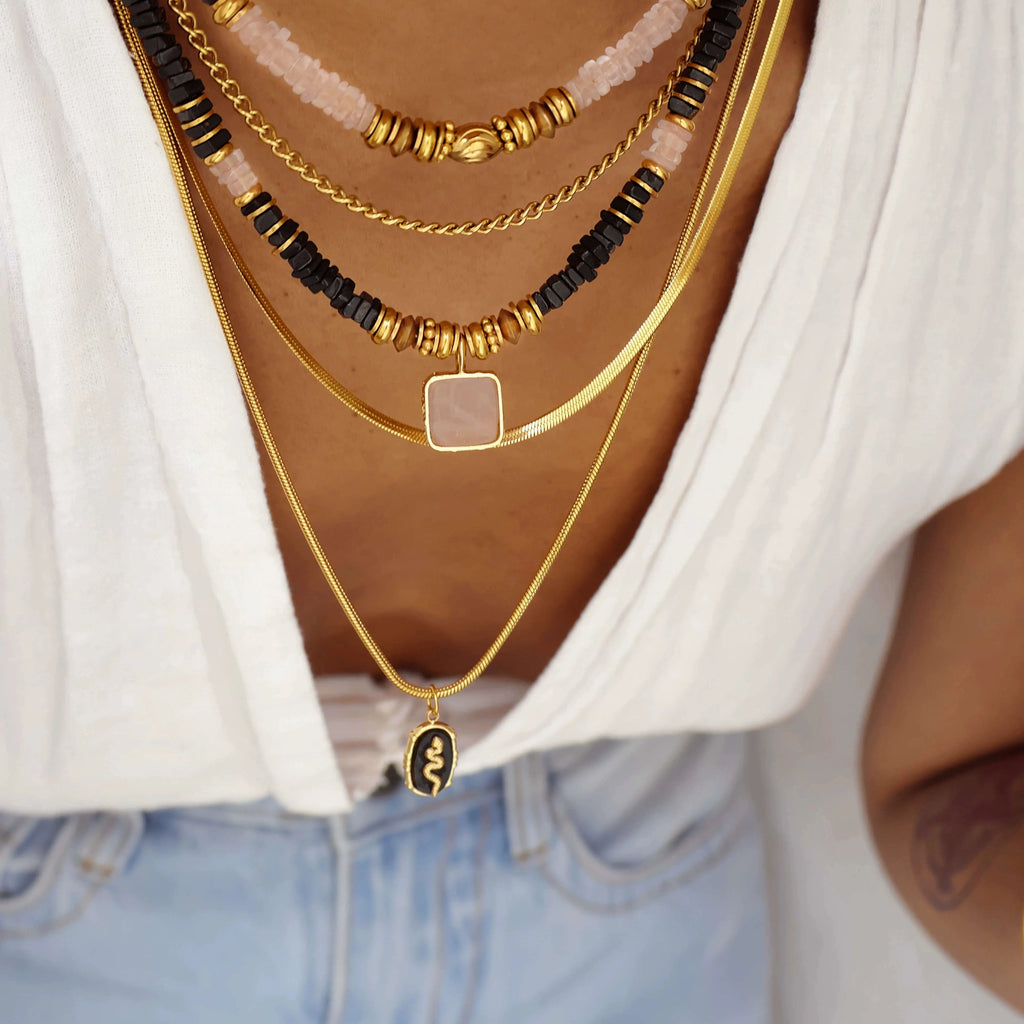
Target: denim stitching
point(722, 846)
point(440, 878)
point(476, 955)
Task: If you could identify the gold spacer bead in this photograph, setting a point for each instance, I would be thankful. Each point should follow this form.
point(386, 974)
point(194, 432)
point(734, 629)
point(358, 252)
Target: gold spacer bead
point(215, 158)
point(526, 314)
point(522, 126)
point(656, 168)
point(473, 334)
point(284, 245)
point(384, 330)
point(632, 202)
point(379, 129)
point(561, 104)
point(683, 122)
point(247, 197)
point(271, 230)
point(260, 209)
point(707, 71)
point(536, 309)
point(206, 138)
point(227, 12)
point(417, 341)
point(182, 107)
point(426, 141)
point(643, 184)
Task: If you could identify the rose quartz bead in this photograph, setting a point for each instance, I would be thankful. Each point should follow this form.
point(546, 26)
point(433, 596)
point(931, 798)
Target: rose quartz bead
point(669, 142)
point(366, 116)
point(623, 65)
point(273, 47)
point(228, 164)
point(284, 59)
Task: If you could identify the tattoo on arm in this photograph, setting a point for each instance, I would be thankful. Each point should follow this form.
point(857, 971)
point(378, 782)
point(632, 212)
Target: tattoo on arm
point(962, 827)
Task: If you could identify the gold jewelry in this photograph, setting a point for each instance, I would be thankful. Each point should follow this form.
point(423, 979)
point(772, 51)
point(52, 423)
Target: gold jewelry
point(295, 161)
point(689, 250)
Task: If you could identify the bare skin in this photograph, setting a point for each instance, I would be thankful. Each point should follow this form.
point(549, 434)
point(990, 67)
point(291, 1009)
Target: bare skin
point(437, 549)
point(944, 749)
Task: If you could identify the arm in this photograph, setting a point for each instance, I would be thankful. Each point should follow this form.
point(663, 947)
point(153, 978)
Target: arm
point(943, 757)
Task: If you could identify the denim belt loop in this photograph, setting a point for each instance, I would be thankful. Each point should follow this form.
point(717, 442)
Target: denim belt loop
point(527, 808)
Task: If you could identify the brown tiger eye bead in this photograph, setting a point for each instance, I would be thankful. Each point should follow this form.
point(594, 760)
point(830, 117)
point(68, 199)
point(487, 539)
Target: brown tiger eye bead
point(509, 326)
point(405, 334)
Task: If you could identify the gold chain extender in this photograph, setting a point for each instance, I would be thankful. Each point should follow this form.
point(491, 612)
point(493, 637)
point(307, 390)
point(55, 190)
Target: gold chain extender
point(689, 250)
point(295, 161)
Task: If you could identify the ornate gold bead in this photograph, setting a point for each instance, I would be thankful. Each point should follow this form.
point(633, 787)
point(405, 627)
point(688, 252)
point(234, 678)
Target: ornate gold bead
point(561, 104)
point(247, 197)
point(509, 326)
point(474, 143)
point(227, 12)
point(215, 158)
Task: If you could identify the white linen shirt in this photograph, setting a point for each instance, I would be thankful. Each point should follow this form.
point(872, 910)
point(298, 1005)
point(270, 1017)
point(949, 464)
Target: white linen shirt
point(869, 369)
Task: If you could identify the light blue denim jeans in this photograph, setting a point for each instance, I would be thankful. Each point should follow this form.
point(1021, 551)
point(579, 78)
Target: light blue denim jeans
point(556, 890)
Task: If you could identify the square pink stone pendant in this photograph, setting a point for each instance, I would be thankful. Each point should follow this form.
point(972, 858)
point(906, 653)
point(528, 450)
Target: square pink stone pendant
point(463, 411)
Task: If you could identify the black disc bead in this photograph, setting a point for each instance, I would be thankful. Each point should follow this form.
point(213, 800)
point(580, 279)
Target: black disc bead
point(574, 277)
point(303, 258)
point(254, 204)
point(598, 246)
point(147, 18)
point(629, 210)
point(608, 234)
point(358, 307)
point(705, 58)
point(710, 48)
point(165, 56)
point(553, 299)
point(682, 107)
point(694, 92)
point(208, 148)
point(314, 279)
point(185, 93)
point(649, 177)
point(582, 269)
point(720, 36)
point(614, 220)
point(179, 70)
point(723, 16)
point(138, 6)
point(541, 303)
point(328, 277)
point(283, 233)
point(267, 219)
point(727, 5)
point(341, 293)
point(370, 319)
point(705, 79)
point(589, 256)
point(636, 191)
point(198, 129)
point(196, 113)
point(176, 81)
point(288, 252)
point(562, 287)
point(155, 44)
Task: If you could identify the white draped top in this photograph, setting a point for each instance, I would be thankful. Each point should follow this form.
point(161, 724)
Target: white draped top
point(869, 369)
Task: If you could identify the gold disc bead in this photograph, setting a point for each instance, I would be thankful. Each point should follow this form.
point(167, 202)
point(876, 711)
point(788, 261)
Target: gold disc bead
point(386, 327)
point(561, 104)
point(445, 340)
point(526, 313)
point(247, 197)
point(544, 120)
point(215, 158)
point(656, 168)
point(402, 139)
point(522, 126)
point(381, 129)
point(228, 12)
point(476, 340)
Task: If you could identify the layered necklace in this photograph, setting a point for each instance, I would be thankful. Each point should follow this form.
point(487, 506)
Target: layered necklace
point(463, 409)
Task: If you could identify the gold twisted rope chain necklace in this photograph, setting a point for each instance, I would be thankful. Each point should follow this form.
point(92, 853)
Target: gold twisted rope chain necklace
point(689, 250)
point(297, 163)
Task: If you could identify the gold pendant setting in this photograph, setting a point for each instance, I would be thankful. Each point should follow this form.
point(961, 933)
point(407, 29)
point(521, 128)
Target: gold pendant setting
point(431, 754)
point(463, 411)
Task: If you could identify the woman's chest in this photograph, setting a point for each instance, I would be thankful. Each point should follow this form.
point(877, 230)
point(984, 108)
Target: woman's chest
point(436, 548)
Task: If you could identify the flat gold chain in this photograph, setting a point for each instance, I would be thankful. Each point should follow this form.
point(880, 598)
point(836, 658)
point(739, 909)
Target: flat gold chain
point(689, 250)
point(296, 162)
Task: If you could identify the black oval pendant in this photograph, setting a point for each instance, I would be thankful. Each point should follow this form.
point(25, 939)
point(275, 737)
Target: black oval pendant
point(430, 758)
